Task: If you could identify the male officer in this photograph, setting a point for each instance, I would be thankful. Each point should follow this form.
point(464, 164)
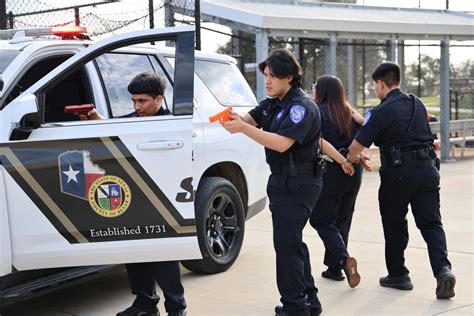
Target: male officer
point(147, 90)
point(399, 126)
point(288, 125)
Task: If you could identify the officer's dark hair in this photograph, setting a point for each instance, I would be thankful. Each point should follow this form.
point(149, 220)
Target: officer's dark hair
point(282, 63)
point(388, 72)
point(147, 83)
point(330, 91)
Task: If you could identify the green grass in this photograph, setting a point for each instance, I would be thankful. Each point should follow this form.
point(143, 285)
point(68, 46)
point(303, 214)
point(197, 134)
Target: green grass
point(431, 101)
point(428, 101)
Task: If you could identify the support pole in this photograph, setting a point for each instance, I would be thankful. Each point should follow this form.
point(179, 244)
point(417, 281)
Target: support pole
point(169, 14)
point(364, 66)
point(197, 23)
point(331, 56)
point(261, 43)
point(151, 14)
point(392, 49)
point(401, 62)
point(445, 100)
point(297, 48)
point(350, 72)
point(3, 15)
point(77, 17)
point(237, 49)
point(10, 20)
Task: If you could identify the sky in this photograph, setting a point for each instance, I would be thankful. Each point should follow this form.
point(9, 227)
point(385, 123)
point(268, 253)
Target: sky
point(211, 40)
point(457, 54)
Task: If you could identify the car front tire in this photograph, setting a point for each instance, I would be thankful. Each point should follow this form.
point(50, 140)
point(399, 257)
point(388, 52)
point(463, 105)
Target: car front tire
point(220, 222)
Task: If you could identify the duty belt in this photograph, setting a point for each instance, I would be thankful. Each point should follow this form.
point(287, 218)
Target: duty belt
point(410, 157)
point(301, 167)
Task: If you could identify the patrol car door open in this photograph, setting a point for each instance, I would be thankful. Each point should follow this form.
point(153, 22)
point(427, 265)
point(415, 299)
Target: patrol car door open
point(103, 191)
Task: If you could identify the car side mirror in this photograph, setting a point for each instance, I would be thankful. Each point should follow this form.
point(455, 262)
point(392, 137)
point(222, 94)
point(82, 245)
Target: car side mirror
point(28, 123)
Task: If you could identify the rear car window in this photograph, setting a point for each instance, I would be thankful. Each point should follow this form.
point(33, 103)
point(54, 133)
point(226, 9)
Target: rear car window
point(6, 57)
point(225, 82)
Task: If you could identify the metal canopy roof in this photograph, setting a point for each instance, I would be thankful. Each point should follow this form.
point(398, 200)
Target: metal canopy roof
point(322, 20)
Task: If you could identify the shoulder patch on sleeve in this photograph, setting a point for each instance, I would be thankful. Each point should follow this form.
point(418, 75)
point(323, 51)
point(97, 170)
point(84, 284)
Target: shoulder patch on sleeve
point(297, 113)
point(367, 118)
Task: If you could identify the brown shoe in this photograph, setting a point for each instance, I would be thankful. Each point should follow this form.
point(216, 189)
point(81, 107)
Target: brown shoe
point(350, 269)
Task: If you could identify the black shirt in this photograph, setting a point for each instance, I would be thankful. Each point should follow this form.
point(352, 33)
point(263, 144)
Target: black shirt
point(386, 125)
point(296, 117)
point(331, 132)
point(161, 111)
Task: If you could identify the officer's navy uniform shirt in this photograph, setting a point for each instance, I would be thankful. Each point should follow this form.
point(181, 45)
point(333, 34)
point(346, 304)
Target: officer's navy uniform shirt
point(161, 111)
point(387, 123)
point(331, 132)
point(296, 117)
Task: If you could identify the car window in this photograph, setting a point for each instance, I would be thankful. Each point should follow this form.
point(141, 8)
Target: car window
point(117, 70)
point(6, 57)
point(73, 90)
point(225, 82)
point(32, 75)
point(169, 88)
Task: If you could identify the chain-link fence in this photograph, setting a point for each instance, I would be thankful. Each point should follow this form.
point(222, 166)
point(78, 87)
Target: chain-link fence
point(352, 60)
point(101, 17)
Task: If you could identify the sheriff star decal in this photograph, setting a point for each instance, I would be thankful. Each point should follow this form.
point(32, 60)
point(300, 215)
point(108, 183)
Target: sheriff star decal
point(108, 195)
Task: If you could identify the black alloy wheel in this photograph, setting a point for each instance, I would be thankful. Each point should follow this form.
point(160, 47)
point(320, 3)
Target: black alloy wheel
point(220, 222)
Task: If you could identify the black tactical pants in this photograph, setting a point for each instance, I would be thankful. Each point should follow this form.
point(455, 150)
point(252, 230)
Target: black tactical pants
point(292, 199)
point(142, 278)
point(418, 187)
point(332, 215)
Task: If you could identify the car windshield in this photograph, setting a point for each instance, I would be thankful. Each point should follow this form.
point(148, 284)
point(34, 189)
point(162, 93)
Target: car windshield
point(6, 57)
point(225, 82)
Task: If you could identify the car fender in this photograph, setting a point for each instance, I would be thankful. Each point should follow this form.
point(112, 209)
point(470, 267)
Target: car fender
point(239, 149)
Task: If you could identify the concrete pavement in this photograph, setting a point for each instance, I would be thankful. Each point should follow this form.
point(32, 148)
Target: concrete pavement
point(249, 287)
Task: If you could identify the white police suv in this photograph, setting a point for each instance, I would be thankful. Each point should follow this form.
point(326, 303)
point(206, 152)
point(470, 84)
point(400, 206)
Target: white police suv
point(84, 194)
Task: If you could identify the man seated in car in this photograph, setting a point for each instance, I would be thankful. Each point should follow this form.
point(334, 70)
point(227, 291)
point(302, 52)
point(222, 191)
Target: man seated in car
point(147, 90)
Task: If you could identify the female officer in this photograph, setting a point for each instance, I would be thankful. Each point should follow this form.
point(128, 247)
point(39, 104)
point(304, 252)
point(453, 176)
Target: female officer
point(332, 215)
point(288, 124)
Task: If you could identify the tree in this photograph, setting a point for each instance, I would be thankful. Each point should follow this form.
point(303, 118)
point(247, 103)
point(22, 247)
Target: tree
point(429, 79)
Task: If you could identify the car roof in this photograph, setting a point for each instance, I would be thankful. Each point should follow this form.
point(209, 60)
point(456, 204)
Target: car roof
point(39, 43)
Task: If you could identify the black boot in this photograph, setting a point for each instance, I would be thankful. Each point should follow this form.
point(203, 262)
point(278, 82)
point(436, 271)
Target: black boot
point(316, 311)
point(333, 274)
point(445, 284)
point(139, 311)
point(399, 283)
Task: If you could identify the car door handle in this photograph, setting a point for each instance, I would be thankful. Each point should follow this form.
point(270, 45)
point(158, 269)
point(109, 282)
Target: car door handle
point(160, 145)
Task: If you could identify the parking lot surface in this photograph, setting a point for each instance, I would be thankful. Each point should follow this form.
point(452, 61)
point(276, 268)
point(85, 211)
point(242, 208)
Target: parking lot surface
point(249, 287)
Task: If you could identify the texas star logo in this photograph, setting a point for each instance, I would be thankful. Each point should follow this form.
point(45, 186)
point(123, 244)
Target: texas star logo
point(108, 195)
